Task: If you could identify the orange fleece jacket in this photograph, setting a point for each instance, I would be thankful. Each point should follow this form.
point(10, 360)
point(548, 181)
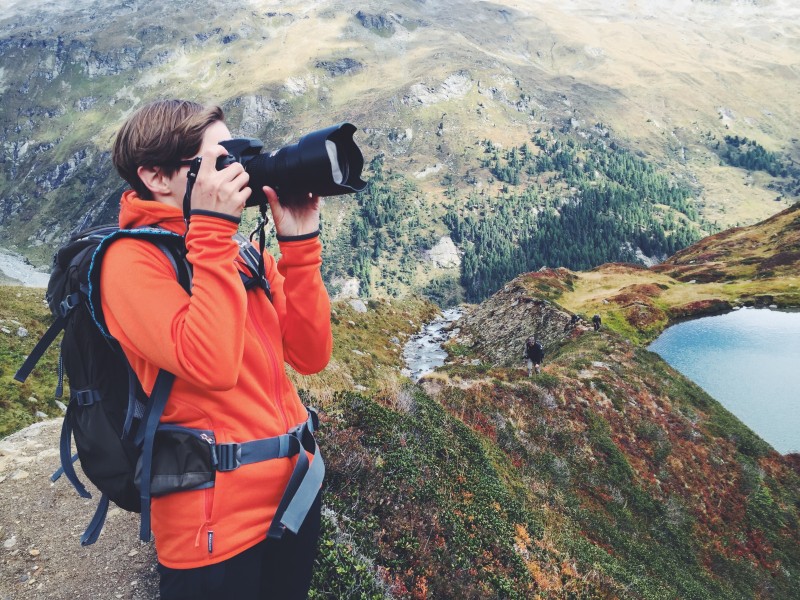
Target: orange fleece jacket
point(226, 347)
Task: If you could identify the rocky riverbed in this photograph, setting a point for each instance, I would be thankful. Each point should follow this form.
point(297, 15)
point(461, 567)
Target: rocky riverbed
point(15, 269)
point(423, 352)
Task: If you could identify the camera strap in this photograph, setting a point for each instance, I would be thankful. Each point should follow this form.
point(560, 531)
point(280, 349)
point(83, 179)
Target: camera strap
point(191, 177)
point(262, 238)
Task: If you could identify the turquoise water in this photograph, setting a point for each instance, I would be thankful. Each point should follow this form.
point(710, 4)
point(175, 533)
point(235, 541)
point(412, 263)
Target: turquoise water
point(748, 360)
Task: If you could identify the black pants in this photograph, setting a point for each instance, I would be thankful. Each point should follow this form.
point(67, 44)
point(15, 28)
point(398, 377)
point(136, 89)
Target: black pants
point(270, 570)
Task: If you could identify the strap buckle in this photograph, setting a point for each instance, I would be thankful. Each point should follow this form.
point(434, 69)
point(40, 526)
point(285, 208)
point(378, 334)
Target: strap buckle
point(229, 456)
point(68, 303)
point(87, 397)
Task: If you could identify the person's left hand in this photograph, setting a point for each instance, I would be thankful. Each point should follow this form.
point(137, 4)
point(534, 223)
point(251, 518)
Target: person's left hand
point(293, 220)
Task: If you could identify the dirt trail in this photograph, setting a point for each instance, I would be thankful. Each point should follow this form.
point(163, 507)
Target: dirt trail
point(41, 524)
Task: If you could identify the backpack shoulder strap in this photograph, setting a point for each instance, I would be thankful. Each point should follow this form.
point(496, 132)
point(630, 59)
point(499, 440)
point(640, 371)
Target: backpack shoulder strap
point(170, 243)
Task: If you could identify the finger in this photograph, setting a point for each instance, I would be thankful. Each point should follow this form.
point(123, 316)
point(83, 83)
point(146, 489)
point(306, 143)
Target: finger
point(234, 171)
point(210, 156)
point(240, 177)
point(236, 189)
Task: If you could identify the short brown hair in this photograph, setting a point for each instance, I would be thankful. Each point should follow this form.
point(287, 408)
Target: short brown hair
point(161, 133)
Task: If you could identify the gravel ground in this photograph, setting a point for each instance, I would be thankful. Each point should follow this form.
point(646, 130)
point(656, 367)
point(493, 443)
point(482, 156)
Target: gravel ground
point(41, 524)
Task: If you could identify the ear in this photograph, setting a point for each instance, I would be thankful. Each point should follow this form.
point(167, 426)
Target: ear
point(154, 179)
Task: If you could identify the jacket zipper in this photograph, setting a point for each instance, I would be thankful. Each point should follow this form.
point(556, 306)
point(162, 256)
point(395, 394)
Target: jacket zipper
point(274, 360)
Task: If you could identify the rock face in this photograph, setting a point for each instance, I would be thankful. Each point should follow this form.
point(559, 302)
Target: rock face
point(498, 327)
point(444, 254)
point(342, 66)
point(41, 524)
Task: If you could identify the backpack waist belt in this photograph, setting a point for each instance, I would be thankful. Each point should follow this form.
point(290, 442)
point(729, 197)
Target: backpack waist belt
point(305, 481)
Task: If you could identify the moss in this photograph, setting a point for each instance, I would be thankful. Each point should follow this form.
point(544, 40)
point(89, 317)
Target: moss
point(19, 402)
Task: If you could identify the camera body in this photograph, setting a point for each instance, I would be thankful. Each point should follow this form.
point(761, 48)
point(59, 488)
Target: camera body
point(323, 163)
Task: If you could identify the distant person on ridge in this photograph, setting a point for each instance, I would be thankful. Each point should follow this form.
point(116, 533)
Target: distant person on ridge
point(596, 322)
point(534, 353)
point(573, 322)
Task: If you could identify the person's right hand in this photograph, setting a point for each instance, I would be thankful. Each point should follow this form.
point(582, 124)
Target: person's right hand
point(224, 191)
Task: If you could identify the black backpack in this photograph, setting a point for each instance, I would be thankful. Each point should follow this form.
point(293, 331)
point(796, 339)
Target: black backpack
point(111, 418)
point(533, 350)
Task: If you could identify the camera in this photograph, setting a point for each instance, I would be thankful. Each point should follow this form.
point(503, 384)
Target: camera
point(323, 163)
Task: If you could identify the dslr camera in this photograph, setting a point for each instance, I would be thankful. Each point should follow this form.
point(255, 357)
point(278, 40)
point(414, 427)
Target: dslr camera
point(323, 163)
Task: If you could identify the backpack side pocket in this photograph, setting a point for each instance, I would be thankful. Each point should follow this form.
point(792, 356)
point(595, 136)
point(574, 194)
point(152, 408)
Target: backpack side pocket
point(183, 459)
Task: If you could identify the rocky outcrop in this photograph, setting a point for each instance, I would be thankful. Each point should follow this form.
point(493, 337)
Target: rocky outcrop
point(340, 66)
point(455, 86)
point(382, 24)
point(444, 254)
point(257, 111)
point(498, 327)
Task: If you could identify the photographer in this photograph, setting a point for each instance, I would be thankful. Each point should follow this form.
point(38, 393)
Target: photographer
point(225, 344)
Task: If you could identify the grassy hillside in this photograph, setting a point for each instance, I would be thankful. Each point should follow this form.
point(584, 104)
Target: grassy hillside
point(24, 317)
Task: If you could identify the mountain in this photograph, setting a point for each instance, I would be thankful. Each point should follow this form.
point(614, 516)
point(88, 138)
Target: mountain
point(501, 127)
point(608, 475)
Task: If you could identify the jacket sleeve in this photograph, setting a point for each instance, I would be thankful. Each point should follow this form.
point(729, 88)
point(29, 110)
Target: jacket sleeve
point(197, 337)
point(302, 304)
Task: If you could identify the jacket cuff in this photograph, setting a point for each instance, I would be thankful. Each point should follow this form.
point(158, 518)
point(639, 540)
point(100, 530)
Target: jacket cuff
point(218, 215)
point(297, 238)
point(300, 252)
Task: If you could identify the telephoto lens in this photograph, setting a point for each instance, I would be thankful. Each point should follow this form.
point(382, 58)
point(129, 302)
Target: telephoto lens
point(323, 163)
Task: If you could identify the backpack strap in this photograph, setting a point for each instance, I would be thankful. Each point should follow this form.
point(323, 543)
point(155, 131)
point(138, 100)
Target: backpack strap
point(303, 486)
point(39, 349)
point(67, 467)
point(170, 243)
point(96, 524)
point(146, 436)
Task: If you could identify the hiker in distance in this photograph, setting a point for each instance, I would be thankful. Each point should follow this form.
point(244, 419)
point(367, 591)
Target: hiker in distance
point(572, 323)
point(534, 354)
point(226, 346)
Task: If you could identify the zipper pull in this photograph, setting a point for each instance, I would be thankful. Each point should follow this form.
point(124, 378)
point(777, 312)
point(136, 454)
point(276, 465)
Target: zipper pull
point(206, 438)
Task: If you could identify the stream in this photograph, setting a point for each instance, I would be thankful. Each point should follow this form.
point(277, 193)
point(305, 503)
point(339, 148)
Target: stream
point(423, 352)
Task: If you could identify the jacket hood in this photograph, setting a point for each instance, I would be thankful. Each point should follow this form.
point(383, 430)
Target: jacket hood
point(135, 212)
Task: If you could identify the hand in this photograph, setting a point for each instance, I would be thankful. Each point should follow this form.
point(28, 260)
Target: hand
point(224, 191)
point(293, 220)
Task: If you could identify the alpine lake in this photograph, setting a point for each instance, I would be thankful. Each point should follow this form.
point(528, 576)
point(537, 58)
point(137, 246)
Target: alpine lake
point(748, 360)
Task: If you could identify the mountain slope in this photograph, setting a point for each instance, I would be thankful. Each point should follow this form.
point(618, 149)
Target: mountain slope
point(428, 84)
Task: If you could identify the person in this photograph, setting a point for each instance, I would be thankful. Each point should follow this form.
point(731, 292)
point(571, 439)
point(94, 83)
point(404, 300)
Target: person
point(596, 322)
point(225, 345)
point(534, 353)
point(573, 322)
